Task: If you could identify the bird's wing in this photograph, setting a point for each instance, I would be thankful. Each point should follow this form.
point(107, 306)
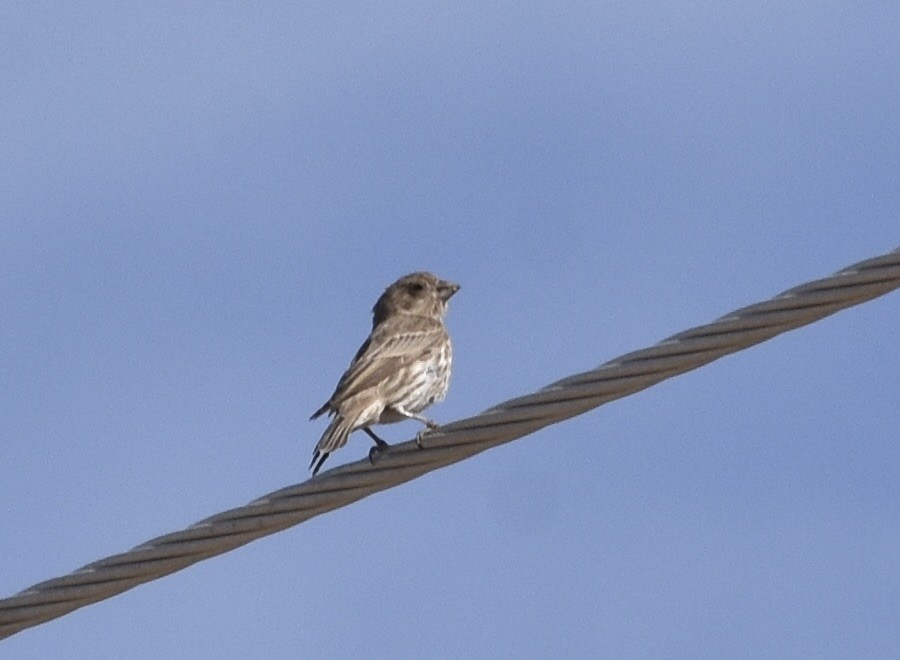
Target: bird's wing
point(392, 345)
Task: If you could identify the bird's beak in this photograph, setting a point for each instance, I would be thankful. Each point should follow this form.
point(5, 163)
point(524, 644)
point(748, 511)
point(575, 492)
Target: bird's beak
point(447, 289)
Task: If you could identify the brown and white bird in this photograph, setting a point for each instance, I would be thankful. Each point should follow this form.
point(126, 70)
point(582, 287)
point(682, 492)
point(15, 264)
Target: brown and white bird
point(401, 369)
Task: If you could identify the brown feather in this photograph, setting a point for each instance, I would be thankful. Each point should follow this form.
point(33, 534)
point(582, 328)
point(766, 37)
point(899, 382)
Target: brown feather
point(401, 368)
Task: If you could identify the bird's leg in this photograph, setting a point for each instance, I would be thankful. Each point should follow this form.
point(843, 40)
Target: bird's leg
point(378, 441)
point(430, 423)
point(380, 445)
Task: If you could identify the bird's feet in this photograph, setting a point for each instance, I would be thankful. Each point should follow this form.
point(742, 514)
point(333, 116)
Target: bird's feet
point(420, 436)
point(376, 451)
point(379, 448)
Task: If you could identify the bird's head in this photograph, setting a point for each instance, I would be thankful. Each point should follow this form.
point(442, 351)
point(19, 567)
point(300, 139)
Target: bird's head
point(417, 294)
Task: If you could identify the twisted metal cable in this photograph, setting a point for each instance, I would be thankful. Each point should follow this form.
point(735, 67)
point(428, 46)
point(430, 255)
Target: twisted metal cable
point(453, 442)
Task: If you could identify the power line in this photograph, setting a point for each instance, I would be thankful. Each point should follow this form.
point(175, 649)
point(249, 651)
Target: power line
point(454, 442)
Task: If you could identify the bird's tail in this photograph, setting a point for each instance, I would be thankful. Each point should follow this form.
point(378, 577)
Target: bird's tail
point(321, 410)
point(335, 437)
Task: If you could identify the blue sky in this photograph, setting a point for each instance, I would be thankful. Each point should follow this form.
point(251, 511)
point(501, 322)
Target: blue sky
point(199, 205)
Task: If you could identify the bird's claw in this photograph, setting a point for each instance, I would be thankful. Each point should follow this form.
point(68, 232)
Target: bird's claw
point(420, 436)
point(376, 452)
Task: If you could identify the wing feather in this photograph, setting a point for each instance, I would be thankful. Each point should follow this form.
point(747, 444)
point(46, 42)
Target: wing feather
point(392, 345)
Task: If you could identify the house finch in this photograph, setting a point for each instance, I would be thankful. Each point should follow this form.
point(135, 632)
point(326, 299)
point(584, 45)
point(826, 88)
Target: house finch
point(401, 369)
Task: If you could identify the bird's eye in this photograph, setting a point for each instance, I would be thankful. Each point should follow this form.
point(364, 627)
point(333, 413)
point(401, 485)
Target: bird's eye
point(416, 287)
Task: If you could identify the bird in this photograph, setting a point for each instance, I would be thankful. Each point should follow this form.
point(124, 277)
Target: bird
point(401, 368)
